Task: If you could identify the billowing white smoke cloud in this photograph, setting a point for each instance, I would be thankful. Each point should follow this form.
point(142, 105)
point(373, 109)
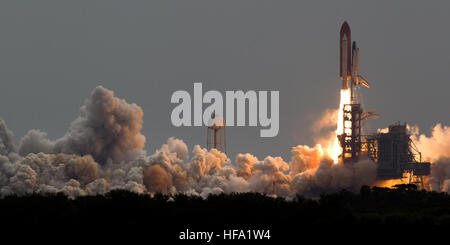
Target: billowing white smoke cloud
point(440, 175)
point(211, 172)
point(47, 173)
point(103, 150)
point(35, 141)
point(436, 146)
point(313, 172)
point(100, 152)
point(108, 129)
point(436, 149)
point(305, 158)
point(329, 177)
point(270, 178)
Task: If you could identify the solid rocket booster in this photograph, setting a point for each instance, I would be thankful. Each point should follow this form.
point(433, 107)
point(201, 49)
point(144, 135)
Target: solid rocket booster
point(357, 79)
point(349, 61)
point(355, 62)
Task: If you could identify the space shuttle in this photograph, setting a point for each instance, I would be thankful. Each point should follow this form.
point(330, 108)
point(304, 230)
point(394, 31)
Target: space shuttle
point(349, 61)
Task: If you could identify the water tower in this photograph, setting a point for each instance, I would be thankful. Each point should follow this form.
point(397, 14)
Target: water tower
point(216, 136)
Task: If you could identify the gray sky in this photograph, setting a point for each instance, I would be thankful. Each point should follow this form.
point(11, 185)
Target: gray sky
point(53, 53)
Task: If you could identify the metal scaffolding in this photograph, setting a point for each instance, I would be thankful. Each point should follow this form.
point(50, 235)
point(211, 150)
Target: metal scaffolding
point(398, 157)
point(350, 139)
point(216, 135)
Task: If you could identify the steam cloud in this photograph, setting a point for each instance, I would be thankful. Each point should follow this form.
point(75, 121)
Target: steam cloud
point(435, 149)
point(103, 150)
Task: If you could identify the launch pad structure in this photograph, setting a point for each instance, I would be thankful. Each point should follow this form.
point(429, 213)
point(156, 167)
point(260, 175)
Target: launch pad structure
point(393, 151)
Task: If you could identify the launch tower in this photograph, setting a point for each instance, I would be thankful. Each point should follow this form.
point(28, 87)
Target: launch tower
point(393, 151)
